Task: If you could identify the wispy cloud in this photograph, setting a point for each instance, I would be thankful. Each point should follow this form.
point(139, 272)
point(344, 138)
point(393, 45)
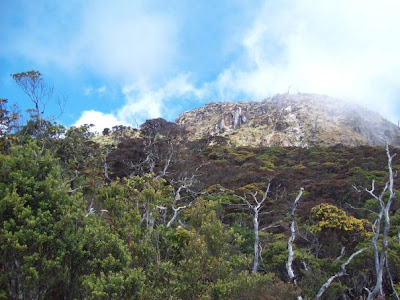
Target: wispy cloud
point(101, 89)
point(131, 45)
point(88, 91)
point(142, 103)
point(124, 42)
point(347, 49)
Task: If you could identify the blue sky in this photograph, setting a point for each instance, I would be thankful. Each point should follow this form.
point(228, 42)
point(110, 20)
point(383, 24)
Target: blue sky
point(122, 62)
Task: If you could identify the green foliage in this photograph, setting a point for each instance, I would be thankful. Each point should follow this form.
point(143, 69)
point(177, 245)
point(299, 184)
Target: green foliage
point(33, 200)
point(8, 124)
point(245, 235)
point(245, 286)
point(218, 189)
point(312, 281)
point(68, 231)
point(211, 253)
point(48, 246)
point(395, 224)
point(46, 133)
point(112, 274)
point(299, 167)
point(80, 157)
point(114, 285)
point(276, 254)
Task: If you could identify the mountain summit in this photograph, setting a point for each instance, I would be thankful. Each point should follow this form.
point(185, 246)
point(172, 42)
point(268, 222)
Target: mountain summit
point(301, 120)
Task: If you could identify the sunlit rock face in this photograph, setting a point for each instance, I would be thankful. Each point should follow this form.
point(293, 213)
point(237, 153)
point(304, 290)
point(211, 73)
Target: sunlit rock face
point(301, 120)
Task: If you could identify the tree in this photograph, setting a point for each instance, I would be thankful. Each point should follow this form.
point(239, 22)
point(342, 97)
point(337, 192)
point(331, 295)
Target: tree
point(289, 263)
point(152, 151)
point(335, 230)
point(211, 253)
point(80, 157)
point(8, 123)
point(183, 185)
point(256, 206)
point(44, 130)
point(33, 202)
point(161, 140)
point(50, 248)
point(40, 93)
point(385, 201)
point(341, 273)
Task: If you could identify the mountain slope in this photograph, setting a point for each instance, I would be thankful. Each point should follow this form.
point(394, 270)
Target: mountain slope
point(291, 120)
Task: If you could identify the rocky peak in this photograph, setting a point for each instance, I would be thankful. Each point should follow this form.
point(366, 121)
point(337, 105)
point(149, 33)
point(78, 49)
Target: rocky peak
point(290, 120)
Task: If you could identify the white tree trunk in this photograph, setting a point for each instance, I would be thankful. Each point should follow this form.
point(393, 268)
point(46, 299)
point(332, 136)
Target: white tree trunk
point(341, 273)
point(185, 184)
point(256, 207)
point(289, 264)
point(176, 213)
point(256, 240)
point(380, 258)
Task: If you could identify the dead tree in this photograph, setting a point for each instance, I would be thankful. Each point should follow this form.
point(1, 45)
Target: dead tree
point(341, 273)
point(289, 263)
point(107, 152)
point(185, 184)
point(382, 219)
point(180, 186)
point(256, 208)
point(161, 141)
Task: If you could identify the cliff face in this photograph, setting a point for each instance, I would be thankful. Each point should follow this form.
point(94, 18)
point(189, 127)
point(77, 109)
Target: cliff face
point(291, 120)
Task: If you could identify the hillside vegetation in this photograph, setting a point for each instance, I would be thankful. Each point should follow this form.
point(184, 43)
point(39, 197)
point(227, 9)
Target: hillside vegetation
point(156, 214)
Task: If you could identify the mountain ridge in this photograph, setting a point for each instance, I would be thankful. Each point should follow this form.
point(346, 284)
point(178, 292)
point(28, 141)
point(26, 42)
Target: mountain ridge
point(300, 120)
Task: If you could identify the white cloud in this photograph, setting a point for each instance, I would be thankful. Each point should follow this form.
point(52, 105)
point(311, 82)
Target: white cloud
point(145, 103)
point(121, 41)
point(342, 48)
point(142, 103)
point(126, 41)
point(101, 89)
point(88, 91)
point(99, 120)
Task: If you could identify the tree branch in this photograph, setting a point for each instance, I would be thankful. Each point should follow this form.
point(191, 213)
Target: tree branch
point(341, 273)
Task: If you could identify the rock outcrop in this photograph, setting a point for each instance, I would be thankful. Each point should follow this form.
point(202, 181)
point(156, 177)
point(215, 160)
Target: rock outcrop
point(291, 120)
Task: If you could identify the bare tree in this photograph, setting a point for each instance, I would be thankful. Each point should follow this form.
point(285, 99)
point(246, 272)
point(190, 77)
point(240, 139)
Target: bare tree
point(171, 149)
point(382, 218)
point(180, 186)
point(184, 184)
point(161, 141)
point(256, 208)
point(341, 273)
point(289, 263)
point(107, 151)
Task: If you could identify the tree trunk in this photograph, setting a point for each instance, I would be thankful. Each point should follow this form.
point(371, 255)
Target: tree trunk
point(380, 258)
point(256, 240)
point(289, 267)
